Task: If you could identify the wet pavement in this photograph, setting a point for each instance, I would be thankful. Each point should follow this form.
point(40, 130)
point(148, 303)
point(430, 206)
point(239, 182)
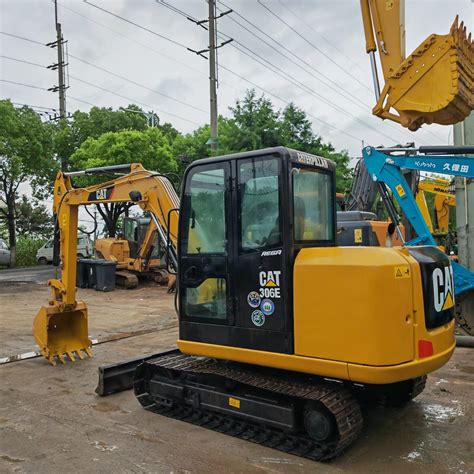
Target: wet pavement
point(52, 421)
point(38, 274)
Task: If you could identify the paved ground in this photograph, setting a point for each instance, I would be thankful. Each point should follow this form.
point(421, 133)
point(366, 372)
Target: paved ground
point(52, 421)
point(38, 274)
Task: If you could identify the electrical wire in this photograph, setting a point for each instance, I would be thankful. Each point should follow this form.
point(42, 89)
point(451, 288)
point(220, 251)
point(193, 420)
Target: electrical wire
point(23, 61)
point(340, 51)
point(342, 92)
point(137, 84)
point(132, 100)
point(344, 70)
point(24, 85)
point(177, 43)
point(22, 37)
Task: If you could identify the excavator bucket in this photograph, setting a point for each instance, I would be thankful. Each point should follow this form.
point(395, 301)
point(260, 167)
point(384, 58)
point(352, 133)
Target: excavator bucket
point(435, 84)
point(62, 333)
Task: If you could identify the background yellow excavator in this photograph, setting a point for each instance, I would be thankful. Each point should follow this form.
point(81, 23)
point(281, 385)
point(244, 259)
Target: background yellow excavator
point(435, 84)
point(444, 199)
point(138, 252)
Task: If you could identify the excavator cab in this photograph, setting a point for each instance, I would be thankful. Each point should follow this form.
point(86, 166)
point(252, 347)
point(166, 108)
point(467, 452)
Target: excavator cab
point(234, 253)
point(435, 84)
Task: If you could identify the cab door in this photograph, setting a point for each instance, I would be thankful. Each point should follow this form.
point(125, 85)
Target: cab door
point(205, 279)
point(262, 282)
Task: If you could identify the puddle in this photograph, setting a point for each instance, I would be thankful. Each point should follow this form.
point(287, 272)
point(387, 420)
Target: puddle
point(101, 446)
point(438, 412)
point(9, 459)
point(415, 454)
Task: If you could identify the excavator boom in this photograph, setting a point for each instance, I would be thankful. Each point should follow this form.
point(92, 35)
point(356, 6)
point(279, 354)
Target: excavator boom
point(435, 84)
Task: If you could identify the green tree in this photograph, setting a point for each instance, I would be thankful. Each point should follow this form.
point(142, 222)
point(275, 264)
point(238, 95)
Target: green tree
point(26, 155)
point(256, 124)
point(151, 147)
point(33, 219)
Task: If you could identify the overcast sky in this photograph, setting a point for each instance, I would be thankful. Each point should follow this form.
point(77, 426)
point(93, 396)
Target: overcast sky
point(336, 67)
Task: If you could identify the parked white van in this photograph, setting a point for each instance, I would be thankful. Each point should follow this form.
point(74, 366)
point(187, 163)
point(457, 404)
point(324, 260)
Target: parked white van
point(84, 249)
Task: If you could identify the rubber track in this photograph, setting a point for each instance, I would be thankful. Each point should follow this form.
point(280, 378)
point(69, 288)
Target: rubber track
point(337, 399)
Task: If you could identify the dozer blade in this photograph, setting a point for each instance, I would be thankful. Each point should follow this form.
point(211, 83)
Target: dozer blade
point(62, 333)
point(434, 84)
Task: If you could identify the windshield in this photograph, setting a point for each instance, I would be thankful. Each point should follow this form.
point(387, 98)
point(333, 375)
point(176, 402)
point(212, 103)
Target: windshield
point(313, 205)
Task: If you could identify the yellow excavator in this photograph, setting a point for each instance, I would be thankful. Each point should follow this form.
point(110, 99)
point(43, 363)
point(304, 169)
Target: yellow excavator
point(435, 84)
point(137, 252)
point(444, 198)
point(280, 329)
point(259, 292)
point(61, 328)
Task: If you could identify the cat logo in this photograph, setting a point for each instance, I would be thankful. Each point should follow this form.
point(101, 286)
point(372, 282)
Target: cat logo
point(270, 279)
point(270, 284)
point(101, 194)
point(443, 288)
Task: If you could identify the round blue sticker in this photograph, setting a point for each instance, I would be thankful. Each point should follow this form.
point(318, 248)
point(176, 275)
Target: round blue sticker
point(267, 307)
point(253, 299)
point(258, 318)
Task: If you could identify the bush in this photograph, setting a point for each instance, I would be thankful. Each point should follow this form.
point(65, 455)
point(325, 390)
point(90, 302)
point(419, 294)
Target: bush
point(26, 248)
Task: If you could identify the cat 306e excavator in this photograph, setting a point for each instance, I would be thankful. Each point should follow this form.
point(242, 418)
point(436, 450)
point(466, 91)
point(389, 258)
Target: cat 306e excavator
point(277, 325)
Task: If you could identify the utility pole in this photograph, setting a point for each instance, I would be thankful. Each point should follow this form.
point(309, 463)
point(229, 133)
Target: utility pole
point(213, 69)
point(213, 74)
point(60, 67)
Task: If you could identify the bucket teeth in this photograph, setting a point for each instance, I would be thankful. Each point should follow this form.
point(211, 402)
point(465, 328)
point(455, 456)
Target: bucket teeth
point(88, 352)
point(61, 358)
point(79, 354)
point(71, 356)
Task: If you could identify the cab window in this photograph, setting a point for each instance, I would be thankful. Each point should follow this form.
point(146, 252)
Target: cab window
point(206, 232)
point(313, 205)
point(259, 204)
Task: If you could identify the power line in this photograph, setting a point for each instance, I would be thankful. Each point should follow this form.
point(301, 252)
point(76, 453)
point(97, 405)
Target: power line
point(341, 91)
point(344, 70)
point(23, 61)
point(143, 45)
point(177, 43)
point(276, 70)
point(24, 85)
point(33, 106)
point(81, 100)
point(22, 37)
point(137, 84)
point(132, 100)
point(321, 35)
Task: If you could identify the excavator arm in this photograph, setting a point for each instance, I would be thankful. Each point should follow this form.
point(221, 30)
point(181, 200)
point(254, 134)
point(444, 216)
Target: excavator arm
point(61, 328)
point(435, 84)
